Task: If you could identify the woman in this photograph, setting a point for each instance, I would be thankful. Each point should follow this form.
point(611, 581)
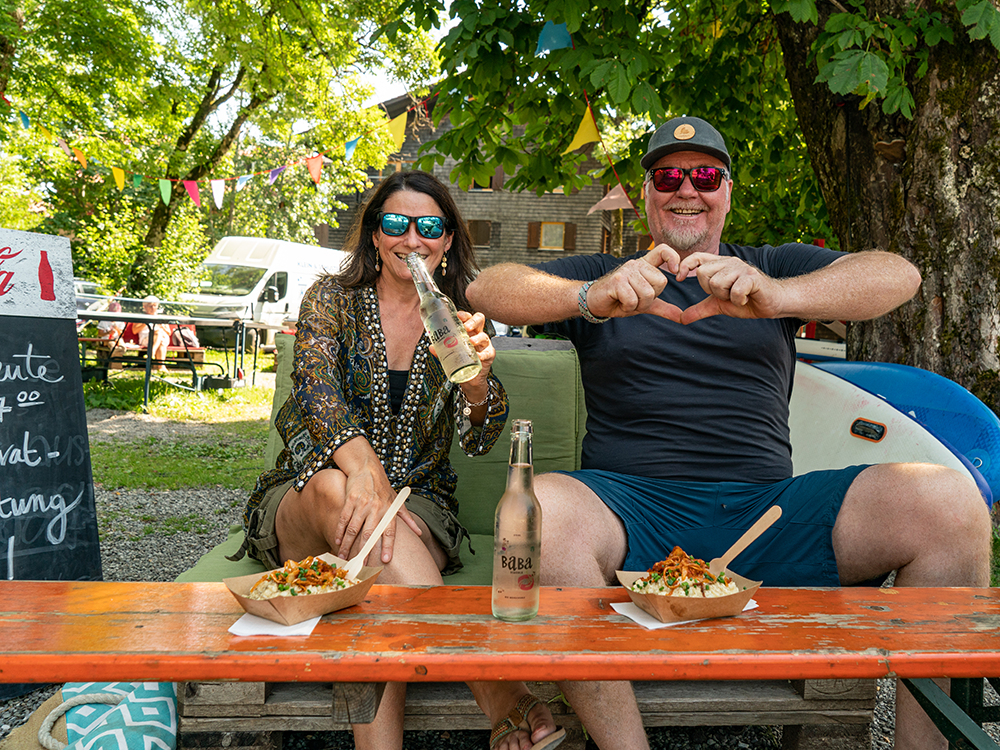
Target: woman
point(371, 411)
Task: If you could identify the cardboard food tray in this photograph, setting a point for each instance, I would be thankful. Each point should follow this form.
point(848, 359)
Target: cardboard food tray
point(680, 608)
point(289, 610)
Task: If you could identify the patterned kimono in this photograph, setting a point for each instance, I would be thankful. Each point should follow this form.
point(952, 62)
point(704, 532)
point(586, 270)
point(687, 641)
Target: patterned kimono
point(340, 390)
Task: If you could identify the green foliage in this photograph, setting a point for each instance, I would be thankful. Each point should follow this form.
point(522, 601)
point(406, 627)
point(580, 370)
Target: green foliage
point(117, 230)
point(193, 90)
point(511, 107)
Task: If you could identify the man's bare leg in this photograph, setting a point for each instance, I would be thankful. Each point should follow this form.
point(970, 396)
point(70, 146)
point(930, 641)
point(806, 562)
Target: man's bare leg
point(928, 523)
point(583, 543)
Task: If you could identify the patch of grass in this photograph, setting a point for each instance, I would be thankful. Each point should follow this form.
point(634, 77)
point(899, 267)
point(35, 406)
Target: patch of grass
point(232, 455)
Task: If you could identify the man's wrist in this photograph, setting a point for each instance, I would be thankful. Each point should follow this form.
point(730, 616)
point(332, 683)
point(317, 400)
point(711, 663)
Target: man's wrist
point(581, 303)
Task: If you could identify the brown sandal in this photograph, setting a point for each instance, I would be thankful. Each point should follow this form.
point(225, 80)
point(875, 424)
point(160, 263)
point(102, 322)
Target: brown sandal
point(518, 719)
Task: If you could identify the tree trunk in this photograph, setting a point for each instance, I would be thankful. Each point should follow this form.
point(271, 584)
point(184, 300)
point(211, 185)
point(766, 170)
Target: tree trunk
point(926, 188)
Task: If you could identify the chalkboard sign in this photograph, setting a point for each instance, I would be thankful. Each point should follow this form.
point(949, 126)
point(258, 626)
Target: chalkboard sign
point(48, 520)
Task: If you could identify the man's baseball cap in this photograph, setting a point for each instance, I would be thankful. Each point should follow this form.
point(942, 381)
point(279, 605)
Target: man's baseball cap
point(685, 134)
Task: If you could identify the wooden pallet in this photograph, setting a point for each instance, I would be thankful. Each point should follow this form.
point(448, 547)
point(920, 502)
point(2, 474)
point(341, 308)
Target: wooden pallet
point(828, 714)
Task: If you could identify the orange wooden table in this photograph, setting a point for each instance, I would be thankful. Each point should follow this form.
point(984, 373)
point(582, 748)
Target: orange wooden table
point(83, 631)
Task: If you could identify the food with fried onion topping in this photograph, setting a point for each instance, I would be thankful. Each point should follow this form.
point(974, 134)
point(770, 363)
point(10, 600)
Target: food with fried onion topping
point(683, 575)
point(309, 576)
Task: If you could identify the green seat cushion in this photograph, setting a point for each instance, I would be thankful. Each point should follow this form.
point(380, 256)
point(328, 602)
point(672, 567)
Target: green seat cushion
point(213, 565)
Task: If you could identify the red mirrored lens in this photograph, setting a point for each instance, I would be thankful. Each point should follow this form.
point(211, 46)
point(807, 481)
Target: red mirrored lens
point(704, 179)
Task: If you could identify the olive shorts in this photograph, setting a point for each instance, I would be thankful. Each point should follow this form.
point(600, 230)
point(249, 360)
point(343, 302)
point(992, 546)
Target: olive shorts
point(262, 539)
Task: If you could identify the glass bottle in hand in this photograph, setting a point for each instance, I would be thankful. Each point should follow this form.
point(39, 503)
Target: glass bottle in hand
point(517, 535)
point(447, 334)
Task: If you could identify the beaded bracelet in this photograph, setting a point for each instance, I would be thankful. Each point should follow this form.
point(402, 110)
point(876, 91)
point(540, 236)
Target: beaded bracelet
point(581, 302)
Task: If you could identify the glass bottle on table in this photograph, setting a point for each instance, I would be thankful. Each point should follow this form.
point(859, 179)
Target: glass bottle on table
point(448, 336)
point(517, 534)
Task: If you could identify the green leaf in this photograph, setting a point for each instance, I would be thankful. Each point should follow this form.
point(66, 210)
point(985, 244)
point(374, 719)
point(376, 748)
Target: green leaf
point(802, 11)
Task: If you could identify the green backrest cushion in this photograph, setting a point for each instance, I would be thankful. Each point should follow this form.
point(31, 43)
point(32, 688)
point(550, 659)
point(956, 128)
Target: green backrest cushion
point(542, 385)
point(283, 342)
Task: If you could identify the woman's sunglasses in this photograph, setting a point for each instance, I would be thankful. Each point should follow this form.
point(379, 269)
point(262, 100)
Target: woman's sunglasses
point(428, 227)
point(703, 179)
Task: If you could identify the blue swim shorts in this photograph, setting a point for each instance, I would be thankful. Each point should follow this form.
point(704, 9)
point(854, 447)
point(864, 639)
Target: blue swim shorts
point(705, 518)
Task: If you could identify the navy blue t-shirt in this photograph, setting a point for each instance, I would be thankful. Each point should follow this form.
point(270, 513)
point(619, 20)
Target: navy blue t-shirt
point(706, 402)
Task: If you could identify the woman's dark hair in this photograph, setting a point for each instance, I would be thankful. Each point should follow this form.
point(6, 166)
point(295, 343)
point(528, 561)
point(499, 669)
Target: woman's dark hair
point(359, 268)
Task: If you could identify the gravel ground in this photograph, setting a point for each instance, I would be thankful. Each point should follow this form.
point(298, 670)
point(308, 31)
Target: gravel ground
point(143, 541)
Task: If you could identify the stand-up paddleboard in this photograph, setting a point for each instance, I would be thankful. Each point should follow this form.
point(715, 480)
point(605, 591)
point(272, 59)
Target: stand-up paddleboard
point(820, 350)
point(835, 424)
point(941, 405)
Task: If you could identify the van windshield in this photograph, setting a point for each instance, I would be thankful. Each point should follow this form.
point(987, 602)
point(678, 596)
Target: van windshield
point(224, 279)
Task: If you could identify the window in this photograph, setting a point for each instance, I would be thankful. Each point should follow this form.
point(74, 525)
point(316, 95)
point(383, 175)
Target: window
point(481, 232)
point(394, 165)
point(551, 235)
point(495, 182)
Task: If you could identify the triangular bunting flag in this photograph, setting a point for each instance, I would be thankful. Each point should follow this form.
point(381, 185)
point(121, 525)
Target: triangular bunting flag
point(65, 147)
point(349, 148)
point(119, 177)
point(136, 180)
point(274, 174)
point(46, 132)
point(553, 36)
point(397, 129)
point(80, 157)
point(315, 164)
point(192, 187)
point(165, 191)
point(6, 100)
point(586, 133)
point(218, 190)
point(25, 121)
point(242, 181)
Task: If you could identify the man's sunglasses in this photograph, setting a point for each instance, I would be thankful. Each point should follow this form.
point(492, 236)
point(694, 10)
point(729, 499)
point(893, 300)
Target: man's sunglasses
point(703, 179)
point(428, 227)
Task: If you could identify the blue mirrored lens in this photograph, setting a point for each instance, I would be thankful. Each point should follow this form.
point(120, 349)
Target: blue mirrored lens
point(395, 224)
point(430, 227)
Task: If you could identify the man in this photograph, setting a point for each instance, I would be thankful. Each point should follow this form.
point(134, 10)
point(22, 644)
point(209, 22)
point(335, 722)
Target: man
point(687, 355)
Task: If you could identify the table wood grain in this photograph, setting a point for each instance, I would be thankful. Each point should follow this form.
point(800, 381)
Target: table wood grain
point(81, 631)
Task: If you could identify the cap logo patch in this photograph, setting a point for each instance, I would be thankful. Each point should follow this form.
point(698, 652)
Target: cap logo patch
point(684, 132)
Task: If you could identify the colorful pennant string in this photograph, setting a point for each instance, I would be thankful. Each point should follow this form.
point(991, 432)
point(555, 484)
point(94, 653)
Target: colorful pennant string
point(192, 190)
point(275, 174)
point(553, 36)
point(218, 191)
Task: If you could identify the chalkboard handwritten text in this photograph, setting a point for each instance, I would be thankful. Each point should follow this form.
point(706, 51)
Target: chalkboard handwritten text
point(36, 450)
point(55, 532)
point(40, 367)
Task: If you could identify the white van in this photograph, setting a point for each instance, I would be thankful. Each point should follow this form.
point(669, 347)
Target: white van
point(256, 279)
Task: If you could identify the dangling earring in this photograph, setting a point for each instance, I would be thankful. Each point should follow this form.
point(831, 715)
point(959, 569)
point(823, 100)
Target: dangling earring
point(444, 264)
point(378, 264)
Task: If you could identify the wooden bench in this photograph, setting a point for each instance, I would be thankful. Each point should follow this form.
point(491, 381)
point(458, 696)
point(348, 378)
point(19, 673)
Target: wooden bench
point(116, 357)
point(428, 636)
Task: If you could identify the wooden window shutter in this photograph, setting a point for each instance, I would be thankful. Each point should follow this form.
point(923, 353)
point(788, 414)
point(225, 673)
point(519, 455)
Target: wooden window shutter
point(569, 236)
point(496, 182)
point(480, 232)
point(534, 233)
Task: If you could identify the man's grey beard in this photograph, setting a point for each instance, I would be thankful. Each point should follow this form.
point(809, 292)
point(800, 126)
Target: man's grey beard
point(683, 240)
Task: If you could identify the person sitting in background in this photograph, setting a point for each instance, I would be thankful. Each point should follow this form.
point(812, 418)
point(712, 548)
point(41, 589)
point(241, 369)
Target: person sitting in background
point(140, 332)
point(111, 329)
